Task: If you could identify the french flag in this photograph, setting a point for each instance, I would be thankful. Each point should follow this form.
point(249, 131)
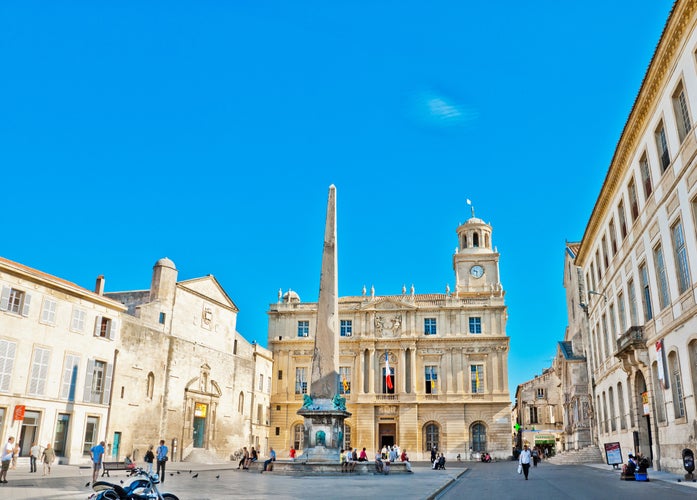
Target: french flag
point(388, 374)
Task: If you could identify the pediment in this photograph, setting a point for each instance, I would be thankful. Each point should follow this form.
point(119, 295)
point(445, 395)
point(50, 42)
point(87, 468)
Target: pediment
point(209, 288)
point(387, 304)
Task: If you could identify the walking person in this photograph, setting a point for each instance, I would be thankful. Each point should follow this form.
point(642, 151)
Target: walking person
point(97, 452)
point(34, 455)
point(48, 457)
point(15, 456)
point(6, 457)
point(535, 457)
point(149, 458)
point(524, 460)
point(162, 458)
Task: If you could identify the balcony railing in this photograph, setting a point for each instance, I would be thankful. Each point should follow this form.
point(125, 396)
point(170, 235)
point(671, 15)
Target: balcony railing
point(631, 339)
point(386, 397)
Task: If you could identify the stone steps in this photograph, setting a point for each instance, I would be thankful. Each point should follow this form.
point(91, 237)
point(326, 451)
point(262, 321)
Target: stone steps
point(587, 455)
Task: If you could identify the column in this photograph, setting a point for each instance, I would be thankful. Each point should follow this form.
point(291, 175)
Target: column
point(372, 370)
point(412, 352)
point(357, 382)
point(402, 371)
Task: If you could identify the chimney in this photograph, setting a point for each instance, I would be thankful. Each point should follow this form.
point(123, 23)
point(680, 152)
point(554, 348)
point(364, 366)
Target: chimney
point(99, 286)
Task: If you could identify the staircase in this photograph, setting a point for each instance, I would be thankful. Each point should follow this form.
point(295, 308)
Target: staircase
point(203, 456)
point(587, 455)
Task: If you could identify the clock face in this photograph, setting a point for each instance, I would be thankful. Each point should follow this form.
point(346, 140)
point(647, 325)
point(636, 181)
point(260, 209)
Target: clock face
point(477, 271)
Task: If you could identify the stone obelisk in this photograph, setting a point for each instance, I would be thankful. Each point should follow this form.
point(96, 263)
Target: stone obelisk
point(324, 382)
point(324, 409)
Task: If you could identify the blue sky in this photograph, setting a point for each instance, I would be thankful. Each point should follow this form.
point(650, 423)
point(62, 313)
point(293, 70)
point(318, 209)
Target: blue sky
point(209, 132)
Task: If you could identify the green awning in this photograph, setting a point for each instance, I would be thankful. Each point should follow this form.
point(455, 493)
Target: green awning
point(544, 441)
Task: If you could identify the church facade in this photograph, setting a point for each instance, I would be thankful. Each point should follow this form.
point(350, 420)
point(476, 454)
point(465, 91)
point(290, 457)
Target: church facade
point(446, 355)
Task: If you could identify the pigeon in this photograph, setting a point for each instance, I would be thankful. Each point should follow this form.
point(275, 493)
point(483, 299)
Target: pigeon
point(178, 472)
point(171, 474)
point(218, 476)
point(189, 471)
point(87, 484)
point(122, 481)
point(195, 476)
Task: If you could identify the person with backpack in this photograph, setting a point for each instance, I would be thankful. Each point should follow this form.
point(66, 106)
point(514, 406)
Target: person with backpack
point(149, 458)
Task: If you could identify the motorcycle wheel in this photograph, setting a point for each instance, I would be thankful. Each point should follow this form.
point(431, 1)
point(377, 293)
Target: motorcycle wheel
point(169, 496)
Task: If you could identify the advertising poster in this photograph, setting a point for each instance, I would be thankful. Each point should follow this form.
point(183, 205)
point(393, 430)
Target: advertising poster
point(661, 364)
point(613, 453)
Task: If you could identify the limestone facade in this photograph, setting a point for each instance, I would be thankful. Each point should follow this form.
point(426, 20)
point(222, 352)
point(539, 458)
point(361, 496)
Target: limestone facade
point(169, 365)
point(638, 259)
point(447, 356)
point(539, 412)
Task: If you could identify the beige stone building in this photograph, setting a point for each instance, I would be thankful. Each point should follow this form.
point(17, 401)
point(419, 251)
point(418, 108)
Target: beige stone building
point(129, 368)
point(58, 345)
point(538, 412)
point(447, 356)
point(638, 259)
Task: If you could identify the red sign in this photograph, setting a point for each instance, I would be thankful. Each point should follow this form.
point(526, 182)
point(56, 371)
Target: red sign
point(19, 412)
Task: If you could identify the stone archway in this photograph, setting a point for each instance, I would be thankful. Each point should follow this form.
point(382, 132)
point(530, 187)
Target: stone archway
point(202, 396)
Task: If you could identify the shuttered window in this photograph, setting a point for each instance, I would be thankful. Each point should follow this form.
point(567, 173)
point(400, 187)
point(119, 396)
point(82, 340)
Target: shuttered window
point(98, 382)
point(48, 312)
point(69, 382)
point(14, 301)
point(77, 324)
point(7, 358)
point(39, 371)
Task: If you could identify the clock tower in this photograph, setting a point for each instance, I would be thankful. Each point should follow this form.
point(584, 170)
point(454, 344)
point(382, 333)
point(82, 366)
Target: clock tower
point(476, 262)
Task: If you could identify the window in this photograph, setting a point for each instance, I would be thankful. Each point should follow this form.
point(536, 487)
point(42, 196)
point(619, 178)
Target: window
point(105, 327)
point(660, 403)
point(475, 325)
point(680, 257)
point(620, 401)
point(431, 379)
point(300, 381)
point(633, 201)
point(98, 382)
point(621, 216)
point(606, 337)
point(15, 301)
point(39, 371)
point(613, 323)
point(150, 386)
point(261, 381)
point(682, 113)
point(298, 435)
point(280, 374)
point(477, 378)
point(632, 303)
point(645, 292)
point(430, 326)
point(260, 413)
point(431, 440)
point(278, 431)
point(592, 281)
point(7, 358)
point(303, 328)
point(540, 393)
point(48, 312)
point(475, 240)
point(346, 327)
point(621, 313)
point(663, 294)
point(678, 401)
point(603, 246)
point(533, 415)
point(345, 379)
point(162, 318)
point(91, 432)
point(240, 403)
point(645, 176)
point(613, 237)
point(268, 385)
point(611, 397)
point(69, 382)
point(77, 323)
point(662, 147)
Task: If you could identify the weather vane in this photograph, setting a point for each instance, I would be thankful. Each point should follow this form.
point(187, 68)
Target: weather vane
point(469, 202)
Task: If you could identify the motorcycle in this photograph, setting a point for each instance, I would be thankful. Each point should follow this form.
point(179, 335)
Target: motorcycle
point(143, 488)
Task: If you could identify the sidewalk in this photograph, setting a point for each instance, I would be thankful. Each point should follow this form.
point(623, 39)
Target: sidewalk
point(654, 475)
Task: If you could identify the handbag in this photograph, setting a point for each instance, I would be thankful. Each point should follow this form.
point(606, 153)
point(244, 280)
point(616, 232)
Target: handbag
point(520, 468)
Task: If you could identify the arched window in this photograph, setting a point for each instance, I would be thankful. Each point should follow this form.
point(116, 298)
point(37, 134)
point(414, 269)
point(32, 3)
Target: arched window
point(431, 436)
point(605, 413)
point(658, 394)
point(478, 433)
point(486, 241)
point(298, 433)
point(475, 240)
point(150, 388)
point(240, 404)
point(676, 379)
point(611, 396)
point(347, 436)
point(464, 241)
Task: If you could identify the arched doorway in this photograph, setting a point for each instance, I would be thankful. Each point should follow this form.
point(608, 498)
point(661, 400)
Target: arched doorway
point(478, 433)
point(642, 436)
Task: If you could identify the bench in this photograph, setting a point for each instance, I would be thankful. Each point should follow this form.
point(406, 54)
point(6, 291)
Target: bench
point(107, 466)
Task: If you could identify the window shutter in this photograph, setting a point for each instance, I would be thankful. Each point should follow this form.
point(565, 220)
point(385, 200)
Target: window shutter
point(43, 371)
point(87, 396)
point(107, 383)
point(27, 301)
point(69, 377)
point(7, 357)
point(112, 330)
point(35, 368)
point(5, 298)
point(97, 325)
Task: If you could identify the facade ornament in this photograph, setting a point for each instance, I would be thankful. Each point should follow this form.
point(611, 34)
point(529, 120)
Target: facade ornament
point(447, 289)
point(404, 289)
point(412, 290)
point(372, 291)
point(280, 294)
point(363, 291)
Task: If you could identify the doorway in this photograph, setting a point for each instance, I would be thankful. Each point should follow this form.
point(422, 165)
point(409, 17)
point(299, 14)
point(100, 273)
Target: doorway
point(387, 434)
point(117, 444)
point(29, 432)
point(61, 439)
point(200, 412)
